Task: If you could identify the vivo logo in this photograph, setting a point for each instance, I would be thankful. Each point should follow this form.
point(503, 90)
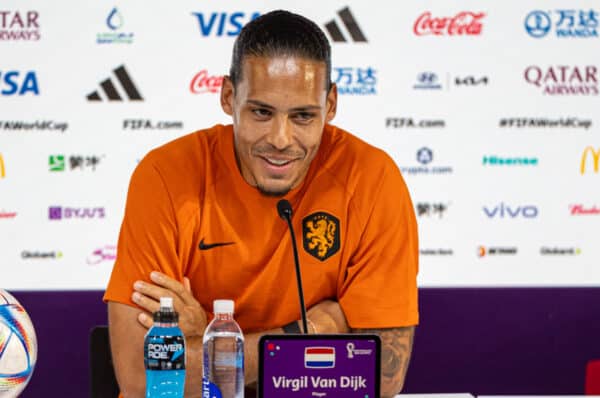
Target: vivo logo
point(505, 211)
point(223, 24)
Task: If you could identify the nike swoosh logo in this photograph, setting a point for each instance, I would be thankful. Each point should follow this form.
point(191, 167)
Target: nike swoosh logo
point(206, 246)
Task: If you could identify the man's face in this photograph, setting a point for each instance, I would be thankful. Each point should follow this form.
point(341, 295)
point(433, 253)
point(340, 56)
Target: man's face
point(279, 109)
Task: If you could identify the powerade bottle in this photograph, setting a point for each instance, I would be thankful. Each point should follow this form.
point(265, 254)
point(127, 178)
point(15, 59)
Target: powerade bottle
point(164, 354)
point(223, 364)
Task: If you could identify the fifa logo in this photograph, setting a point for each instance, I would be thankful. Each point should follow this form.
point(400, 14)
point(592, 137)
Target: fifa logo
point(595, 157)
point(2, 169)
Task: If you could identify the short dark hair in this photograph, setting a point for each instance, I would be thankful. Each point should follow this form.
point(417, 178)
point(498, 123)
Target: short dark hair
point(280, 33)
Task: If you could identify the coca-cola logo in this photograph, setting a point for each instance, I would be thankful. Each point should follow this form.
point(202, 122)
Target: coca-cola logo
point(463, 23)
point(203, 83)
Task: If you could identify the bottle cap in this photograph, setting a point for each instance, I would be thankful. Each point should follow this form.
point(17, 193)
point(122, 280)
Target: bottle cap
point(223, 306)
point(166, 313)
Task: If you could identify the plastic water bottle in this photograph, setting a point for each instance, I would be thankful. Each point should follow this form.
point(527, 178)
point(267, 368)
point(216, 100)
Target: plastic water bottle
point(164, 354)
point(223, 354)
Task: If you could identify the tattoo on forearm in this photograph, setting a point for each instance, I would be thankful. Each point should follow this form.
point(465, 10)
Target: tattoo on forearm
point(396, 347)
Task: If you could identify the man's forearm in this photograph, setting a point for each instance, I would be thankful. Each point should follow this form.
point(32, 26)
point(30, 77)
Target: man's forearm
point(396, 348)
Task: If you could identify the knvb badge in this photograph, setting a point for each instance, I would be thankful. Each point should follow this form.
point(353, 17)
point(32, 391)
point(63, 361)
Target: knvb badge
point(356, 81)
point(114, 22)
point(567, 23)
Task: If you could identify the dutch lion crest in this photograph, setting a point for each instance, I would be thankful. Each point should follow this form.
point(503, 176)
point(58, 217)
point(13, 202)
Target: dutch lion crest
point(321, 235)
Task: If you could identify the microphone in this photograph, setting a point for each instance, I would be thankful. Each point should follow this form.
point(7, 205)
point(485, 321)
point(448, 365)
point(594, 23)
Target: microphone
point(284, 209)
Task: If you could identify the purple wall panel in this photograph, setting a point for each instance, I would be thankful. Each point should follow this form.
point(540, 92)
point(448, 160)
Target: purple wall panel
point(482, 341)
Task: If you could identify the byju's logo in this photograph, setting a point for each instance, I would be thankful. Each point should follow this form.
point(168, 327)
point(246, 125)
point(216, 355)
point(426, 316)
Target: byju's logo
point(427, 81)
point(15, 25)
point(202, 83)
point(114, 21)
point(595, 158)
point(463, 23)
point(356, 81)
point(223, 23)
point(568, 23)
point(352, 27)
point(60, 213)
point(76, 162)
point(503, 210)
point(110, 90)
point(564, 80)
point(16, 83)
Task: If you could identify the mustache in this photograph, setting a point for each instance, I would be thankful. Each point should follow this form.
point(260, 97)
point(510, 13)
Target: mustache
point(271, 151)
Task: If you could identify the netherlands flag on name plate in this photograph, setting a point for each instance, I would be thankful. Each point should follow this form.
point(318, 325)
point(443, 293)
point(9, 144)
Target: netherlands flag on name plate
point(319, 357)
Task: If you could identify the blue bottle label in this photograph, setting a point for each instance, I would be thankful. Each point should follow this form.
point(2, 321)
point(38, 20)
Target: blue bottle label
point(164, 353)
point(209, 389)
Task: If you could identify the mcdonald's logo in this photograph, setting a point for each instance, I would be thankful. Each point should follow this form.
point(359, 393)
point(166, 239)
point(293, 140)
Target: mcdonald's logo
point(2, 168)
point(595, 156)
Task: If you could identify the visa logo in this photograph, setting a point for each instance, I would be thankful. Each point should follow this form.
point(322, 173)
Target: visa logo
point(13, 82)
point(505, 211)
point(223, 24)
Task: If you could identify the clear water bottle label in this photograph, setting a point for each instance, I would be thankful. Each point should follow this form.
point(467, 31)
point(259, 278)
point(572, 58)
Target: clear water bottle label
point(210, 390)
point(165, 353)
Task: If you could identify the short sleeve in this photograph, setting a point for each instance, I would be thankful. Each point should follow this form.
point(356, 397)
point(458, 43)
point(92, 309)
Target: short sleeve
point(379, 289)
point(148, 236)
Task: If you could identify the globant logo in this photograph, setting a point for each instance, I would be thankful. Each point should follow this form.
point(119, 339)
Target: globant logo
point(203, 83)
point(356, 81)
point(582, 210)
point(102, 254)
point(564, 80)
point(568, 23)
point(425, 157)
point(15, 82)
point(223, 23)
point(504, 210)
point(60, 213)
point(41, 255)
point(114, 22)
point(560, 251)
point(483, 251)
point(16, 26)
point(465, 23)
point(493, 160)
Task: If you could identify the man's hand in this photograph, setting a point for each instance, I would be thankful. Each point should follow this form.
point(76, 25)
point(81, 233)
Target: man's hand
point(192, 317)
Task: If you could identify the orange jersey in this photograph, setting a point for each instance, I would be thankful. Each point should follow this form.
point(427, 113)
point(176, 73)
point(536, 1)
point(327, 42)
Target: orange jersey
point(190, 213)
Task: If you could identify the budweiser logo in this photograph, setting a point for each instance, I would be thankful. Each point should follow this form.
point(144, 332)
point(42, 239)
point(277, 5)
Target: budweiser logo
point(580, 210)
point(203, 83)
point(463, 23)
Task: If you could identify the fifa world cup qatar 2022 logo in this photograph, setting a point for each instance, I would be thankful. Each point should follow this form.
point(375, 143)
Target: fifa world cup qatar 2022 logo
point(465, 23)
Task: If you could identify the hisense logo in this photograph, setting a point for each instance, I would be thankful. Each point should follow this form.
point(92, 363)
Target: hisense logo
point(493, 160)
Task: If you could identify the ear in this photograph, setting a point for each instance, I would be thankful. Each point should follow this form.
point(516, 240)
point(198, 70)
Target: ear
point(331, 105)
point(227, 95)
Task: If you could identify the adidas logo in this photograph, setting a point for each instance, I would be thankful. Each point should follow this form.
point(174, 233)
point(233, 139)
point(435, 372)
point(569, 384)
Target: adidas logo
point(351, 25)
point(110, 90)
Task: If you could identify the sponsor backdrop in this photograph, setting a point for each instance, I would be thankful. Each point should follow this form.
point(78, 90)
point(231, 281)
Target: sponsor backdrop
point(489, 109)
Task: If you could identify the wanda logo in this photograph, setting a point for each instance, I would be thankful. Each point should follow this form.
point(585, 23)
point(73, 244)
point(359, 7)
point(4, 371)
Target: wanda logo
point(463, 23)
point(203, 83)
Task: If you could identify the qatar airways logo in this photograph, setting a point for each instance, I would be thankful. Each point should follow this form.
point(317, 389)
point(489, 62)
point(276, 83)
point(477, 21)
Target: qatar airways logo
point(205, 83)
point(564, 79)
point(465, 23)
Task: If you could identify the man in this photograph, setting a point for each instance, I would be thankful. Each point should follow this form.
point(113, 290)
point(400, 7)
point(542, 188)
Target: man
point(201, 221)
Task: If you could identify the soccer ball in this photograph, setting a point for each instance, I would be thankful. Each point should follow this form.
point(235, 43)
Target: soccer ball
point(18, 346)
